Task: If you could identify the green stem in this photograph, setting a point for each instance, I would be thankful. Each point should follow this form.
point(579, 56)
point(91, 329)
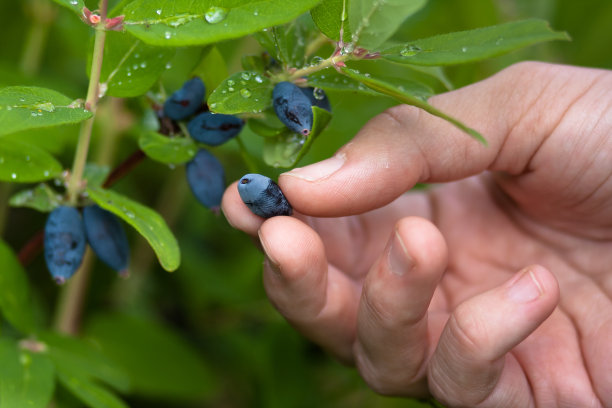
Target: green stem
point(72, 297)
point(326, 63)
point(80, 156)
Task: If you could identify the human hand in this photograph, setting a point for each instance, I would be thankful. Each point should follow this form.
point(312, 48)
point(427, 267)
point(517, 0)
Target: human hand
point(421, 290)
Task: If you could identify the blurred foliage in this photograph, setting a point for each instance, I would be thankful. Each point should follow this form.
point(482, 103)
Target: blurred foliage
point(210, 320)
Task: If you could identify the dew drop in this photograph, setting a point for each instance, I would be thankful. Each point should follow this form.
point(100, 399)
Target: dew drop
point(13, 176)
point(46, 173)
point(464, 49)
point(143, 64)
point(231, 89)
point(410, 51)
point(256, 13)
point(9, 108)
point(230, 82)
point(46, 106)
point(215, 15)
point(213, 105)
point(129, 73)
point(245, 75)
point(158, 11)
point(245, 93)
point(258, 79)
point(74, 2)
point(168, 65)
point(318, 93)
point(167, 35)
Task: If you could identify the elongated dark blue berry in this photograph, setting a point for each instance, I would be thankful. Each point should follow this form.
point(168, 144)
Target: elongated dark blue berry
point(317, 97)
point(206, 179)
point(64, 241)
point(263, 196)
point(214, 128)
point(107, 238)
point(186, 101)
point(292, 107)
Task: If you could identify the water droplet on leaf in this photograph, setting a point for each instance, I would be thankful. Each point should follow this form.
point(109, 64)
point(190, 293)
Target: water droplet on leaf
point(245, 75)
point(245, 93)
point(410, 51)
point(215, 15)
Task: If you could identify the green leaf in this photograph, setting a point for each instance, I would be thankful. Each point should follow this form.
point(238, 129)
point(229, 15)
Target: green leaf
point(287, 43)
point(23, 107)
point(160, 363)
point(130, 67)
point(374, 21)
point(26, 379)
point(146, 221)
point(185, 22)
point(268, 125)
point(82, 358)
point(40, 198)
point(95, 174)
point(75, 6)
point(328, 17)
point(473, 45)
point(405, 97)
point(288, 148)
point(90, 393)
point(337, 82)
point(164, 149)
point(24, 163)
point(15, 301)
point(245, 91)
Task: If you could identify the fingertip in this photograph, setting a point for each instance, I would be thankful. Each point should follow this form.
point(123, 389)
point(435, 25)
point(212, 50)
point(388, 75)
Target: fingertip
point(237, 213)
point(424, 243)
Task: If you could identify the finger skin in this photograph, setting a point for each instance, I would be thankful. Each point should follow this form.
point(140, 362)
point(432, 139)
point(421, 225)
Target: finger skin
point(237, 213)
point(406, 145)
point(392, 340)
point(316, 298)
point(470, 366)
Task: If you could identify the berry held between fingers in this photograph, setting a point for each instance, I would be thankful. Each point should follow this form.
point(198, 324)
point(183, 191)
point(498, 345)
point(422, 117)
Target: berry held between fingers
point(206, 179)
point(64, 242)
point(263, 196)
point(214, 128)
point(107, 238)
point(186, 101)
point(292, 107)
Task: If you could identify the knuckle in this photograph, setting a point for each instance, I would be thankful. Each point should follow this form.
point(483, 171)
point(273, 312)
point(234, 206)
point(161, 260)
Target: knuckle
point(467, 330)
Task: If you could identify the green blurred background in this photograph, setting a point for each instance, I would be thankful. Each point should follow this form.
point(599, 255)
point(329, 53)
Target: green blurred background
point(206, 335)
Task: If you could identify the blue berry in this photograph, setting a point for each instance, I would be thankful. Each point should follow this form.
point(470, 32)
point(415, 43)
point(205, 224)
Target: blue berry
point(292, 107)
point(206, 179)
point(317, 97)
point(263, 196)
point(186, 101)
point(214, 128)
point(64, 241)
point(107, 237)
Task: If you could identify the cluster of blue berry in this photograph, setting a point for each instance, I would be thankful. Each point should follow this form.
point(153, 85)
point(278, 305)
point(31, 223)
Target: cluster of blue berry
point(67, 234)
point(205, 174)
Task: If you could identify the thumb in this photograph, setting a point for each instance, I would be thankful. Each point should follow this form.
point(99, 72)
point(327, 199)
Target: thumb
point(404, 145)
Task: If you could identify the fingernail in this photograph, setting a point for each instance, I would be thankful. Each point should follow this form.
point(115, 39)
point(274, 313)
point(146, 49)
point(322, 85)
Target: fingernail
point(525, 288)
point(269, 261)
point(320, 170)
point(399, 260)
